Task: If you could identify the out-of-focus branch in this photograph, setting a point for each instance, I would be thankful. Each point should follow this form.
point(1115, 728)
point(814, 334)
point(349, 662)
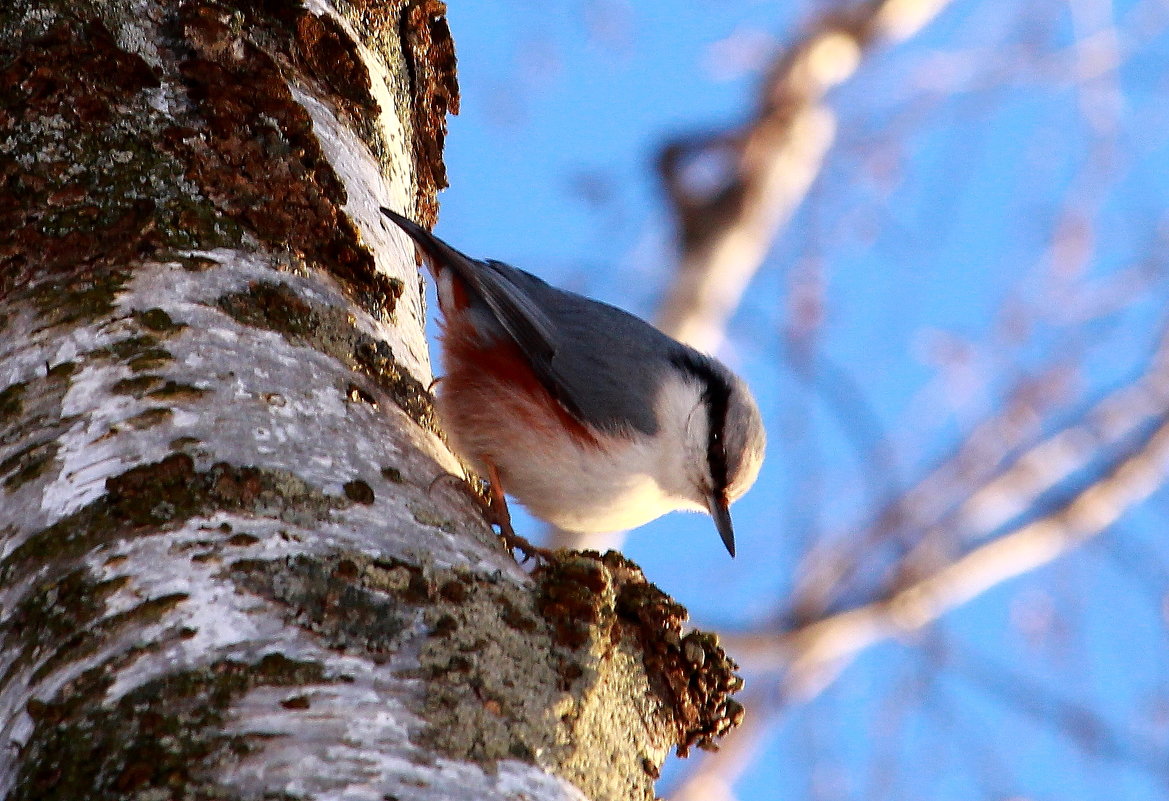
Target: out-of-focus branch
point(1004, 474)
point(826, 572)
point(970, 495)
point(713, 777)
point(727, 225)
point(814, 654)
point(1043, 703)
point(811, 656)
point(1043, 467)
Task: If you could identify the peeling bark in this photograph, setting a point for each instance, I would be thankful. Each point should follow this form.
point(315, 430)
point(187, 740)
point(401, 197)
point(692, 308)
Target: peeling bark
point(237, 559)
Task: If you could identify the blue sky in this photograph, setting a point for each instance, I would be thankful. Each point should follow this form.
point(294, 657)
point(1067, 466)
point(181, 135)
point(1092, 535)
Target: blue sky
point(958, 154)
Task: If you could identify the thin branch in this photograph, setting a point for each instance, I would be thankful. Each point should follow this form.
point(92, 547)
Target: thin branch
point(1044, 466)
point(844, 398)
point(827, 570)
point(814, 654)
point(1079, 723)
point(997, 497)
point(767, 166)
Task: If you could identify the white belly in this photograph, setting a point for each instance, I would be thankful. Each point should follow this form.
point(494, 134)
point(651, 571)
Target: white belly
point(591, 492)
point(561, 479)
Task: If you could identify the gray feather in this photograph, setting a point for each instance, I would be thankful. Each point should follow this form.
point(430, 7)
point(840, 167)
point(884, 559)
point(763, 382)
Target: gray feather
point(523, 320)
point(604, 365)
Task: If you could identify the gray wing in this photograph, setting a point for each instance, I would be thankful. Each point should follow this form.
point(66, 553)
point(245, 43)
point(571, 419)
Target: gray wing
point(602, 364)
point(522, 319)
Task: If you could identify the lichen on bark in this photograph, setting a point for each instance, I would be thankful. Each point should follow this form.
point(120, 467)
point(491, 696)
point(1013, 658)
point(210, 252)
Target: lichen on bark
point(502, 680)
point(164, 494)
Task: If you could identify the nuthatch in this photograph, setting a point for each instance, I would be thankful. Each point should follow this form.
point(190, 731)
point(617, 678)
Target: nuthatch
point(590, 417)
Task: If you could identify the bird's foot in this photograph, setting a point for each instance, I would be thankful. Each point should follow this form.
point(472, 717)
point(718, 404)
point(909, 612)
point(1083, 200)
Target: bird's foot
point(514, 542)
point(499, 515)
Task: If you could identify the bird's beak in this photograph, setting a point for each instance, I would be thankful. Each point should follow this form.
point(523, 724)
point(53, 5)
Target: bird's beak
point(720, 511)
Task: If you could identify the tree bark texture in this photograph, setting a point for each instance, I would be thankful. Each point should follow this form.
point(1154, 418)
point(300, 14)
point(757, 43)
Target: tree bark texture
point(237, 559)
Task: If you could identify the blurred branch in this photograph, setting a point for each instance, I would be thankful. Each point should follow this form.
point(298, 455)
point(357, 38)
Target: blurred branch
point(763, 170)
point(814, 654)
point(828, 570)
point(1041, 468)
point(844, 398)
point(1039, 494)
point(967, 727)
point(978, 491)
point(1079, 723)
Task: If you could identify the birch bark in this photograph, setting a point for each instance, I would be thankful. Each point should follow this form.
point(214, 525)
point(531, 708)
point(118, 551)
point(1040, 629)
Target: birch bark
point(230, 566)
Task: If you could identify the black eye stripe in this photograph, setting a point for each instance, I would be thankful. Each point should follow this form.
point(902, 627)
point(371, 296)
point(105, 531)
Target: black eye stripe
point(716, 394)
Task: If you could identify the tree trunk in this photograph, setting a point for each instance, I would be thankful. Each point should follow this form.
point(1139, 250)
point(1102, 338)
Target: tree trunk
point(237, 559)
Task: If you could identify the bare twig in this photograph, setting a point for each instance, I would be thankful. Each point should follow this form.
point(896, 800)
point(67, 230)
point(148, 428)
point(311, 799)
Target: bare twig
point(767, 166)
point(978, 491)
point(814, 654)
point(827, 570)
point(1014, 489)
point(729, 228)
point(811, 656)
point(1090, 731)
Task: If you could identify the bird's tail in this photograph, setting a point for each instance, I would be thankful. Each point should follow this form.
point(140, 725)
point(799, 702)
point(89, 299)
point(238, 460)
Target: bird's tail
point(439, 254)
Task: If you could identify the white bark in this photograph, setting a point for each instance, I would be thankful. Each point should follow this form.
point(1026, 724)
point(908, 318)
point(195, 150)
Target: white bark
point(236, 559)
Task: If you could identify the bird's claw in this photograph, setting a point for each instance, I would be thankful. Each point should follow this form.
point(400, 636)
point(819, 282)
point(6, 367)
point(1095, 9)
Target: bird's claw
point(514, 542)
point(499, 515)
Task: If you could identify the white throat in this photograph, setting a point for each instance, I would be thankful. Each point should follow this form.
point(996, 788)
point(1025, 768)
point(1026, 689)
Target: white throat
point(679, 465)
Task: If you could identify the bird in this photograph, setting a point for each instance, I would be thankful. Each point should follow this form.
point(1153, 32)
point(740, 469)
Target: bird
point(594, 420)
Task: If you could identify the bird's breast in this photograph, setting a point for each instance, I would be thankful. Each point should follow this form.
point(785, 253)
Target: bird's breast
point(495, 411)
